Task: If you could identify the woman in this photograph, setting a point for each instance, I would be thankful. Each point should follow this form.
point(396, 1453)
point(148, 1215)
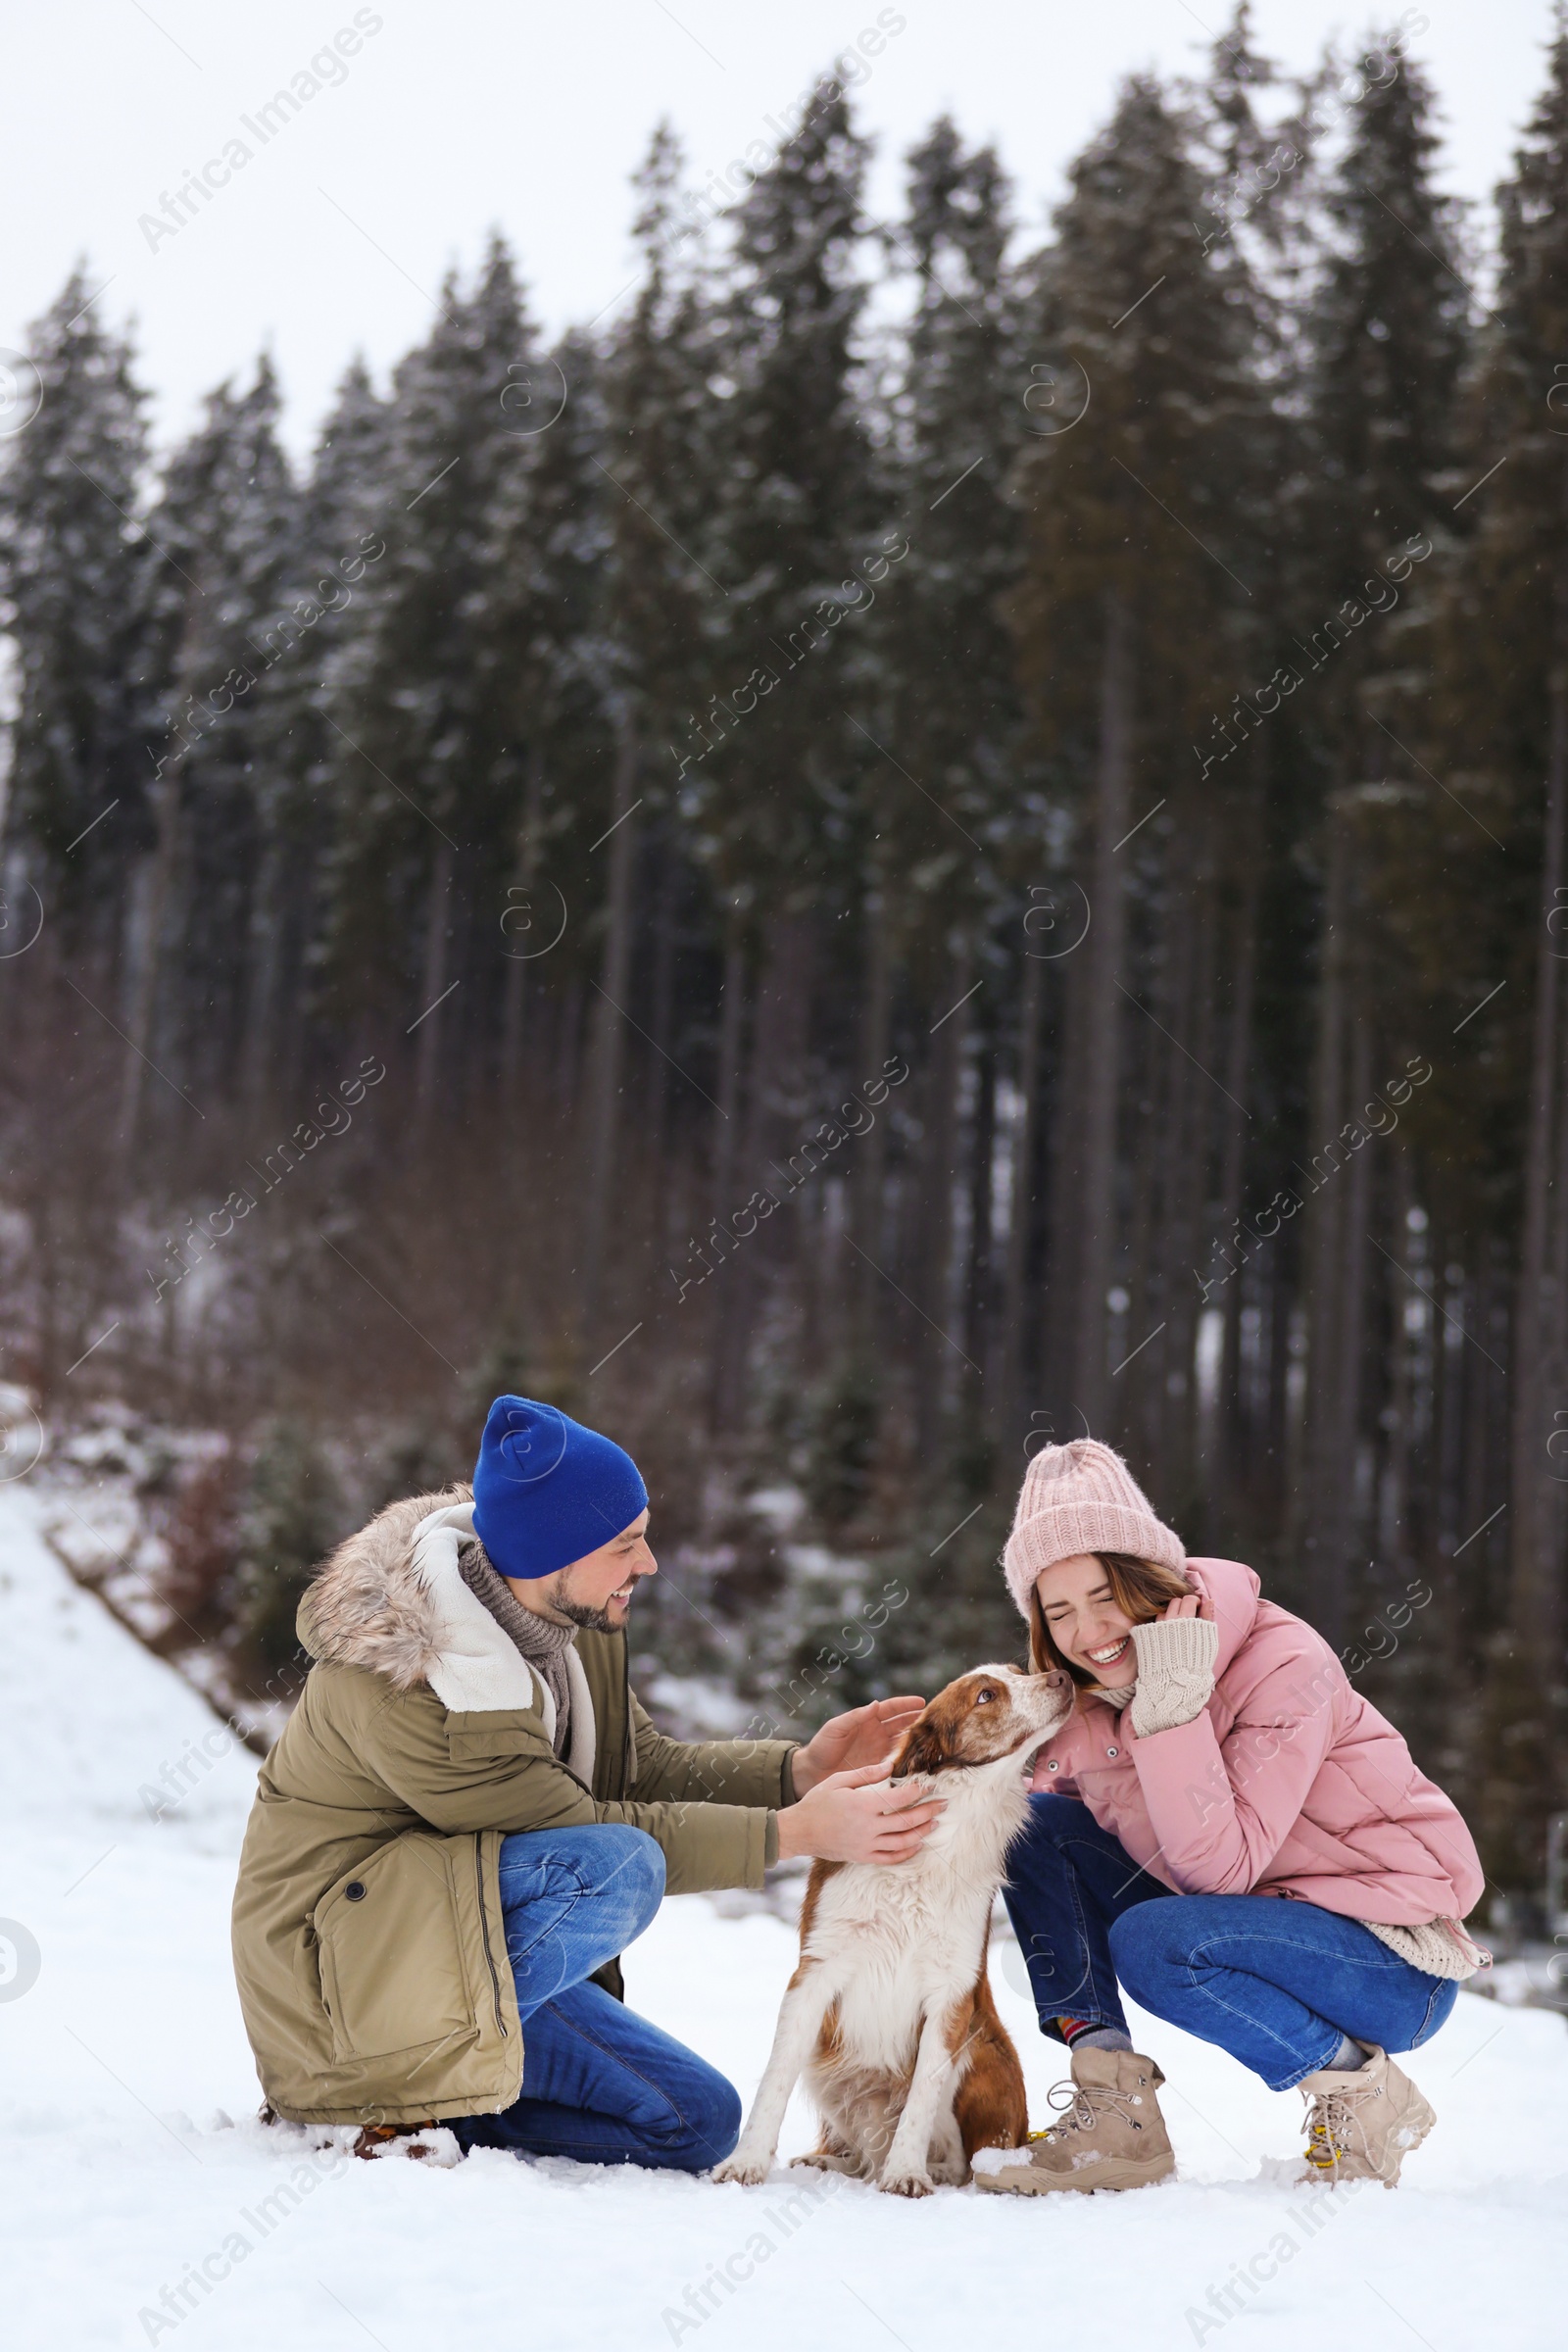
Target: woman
point(1220, 1756)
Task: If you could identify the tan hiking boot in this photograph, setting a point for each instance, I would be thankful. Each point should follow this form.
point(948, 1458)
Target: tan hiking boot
point(1362, 2126)
point(1111, 2134)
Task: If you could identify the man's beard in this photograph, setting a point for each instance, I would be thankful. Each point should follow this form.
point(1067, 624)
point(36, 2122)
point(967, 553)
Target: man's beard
point(588, 1620)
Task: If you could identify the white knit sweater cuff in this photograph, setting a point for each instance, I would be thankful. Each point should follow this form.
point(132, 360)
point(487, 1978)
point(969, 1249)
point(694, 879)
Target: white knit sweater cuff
point(1176, 1661)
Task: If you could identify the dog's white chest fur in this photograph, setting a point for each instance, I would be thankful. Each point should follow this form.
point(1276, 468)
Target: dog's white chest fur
point(910, 1938)
point(888, 2014)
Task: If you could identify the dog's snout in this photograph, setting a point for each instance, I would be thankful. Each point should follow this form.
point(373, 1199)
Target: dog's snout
point(1057, 1682)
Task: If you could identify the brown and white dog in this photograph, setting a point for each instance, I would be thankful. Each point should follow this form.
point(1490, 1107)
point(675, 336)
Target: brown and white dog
point(889, 2014)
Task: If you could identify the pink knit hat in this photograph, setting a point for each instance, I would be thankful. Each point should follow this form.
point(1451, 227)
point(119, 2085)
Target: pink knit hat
point(1082, 1497)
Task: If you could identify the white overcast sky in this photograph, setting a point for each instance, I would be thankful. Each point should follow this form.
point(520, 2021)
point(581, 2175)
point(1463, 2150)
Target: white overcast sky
point(458, 115)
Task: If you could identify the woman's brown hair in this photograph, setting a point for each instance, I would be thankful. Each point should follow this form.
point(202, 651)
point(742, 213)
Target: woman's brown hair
point(1141, 1589)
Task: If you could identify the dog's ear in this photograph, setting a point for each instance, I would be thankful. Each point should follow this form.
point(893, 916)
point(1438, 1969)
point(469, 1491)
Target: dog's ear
point(924, 1751)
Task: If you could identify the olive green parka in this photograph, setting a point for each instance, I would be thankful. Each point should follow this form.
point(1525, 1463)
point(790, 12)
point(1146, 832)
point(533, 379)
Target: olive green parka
point(367, 1935)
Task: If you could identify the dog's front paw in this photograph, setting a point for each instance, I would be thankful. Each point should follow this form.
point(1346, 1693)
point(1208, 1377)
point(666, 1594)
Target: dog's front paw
point(749, 2171)
point(906, 2185)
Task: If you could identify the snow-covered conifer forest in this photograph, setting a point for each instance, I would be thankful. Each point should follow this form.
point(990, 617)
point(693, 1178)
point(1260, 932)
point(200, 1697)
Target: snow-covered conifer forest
point(927, 837)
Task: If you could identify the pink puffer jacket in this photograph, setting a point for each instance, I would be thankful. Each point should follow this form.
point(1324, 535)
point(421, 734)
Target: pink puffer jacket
point(1288, 1783)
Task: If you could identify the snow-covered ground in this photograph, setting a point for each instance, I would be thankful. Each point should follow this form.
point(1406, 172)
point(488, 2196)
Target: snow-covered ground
point(130, 2161)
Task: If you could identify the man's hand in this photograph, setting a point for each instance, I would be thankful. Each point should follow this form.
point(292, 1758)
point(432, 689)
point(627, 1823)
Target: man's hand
point(845, 1742)
point(859, 1817)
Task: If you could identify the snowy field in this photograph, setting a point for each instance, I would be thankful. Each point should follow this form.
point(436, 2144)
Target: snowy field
point(131, 2160)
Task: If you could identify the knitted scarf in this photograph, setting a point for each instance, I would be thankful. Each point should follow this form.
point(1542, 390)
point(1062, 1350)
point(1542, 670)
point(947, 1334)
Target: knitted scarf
point(543, 1644)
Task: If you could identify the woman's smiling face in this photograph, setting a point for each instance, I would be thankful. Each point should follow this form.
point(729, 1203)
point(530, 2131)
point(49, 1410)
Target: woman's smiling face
point(1083, 1620)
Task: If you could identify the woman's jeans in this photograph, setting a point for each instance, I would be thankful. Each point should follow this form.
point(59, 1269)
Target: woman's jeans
point(1274, 1981)
point(599, 2082)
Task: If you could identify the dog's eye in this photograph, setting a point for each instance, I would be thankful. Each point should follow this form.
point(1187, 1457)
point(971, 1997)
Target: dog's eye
point(983, 1698)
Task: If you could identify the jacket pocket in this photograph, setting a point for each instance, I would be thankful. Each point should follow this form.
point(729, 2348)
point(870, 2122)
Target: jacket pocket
point(395, 1974)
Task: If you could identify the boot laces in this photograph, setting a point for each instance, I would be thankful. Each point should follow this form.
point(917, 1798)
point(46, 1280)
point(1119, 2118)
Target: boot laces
point(1332, 2123)
point(1081, 2106)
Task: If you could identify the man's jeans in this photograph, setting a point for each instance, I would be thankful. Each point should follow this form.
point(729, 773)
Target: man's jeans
point(599, 2082)
point(1274, 1981)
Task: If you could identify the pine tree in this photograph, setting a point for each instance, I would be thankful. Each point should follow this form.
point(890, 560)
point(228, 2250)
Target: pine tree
point(658, 504)
point(1472, 881)
point(1388, 337)
point(347, 522)
point(1257, 221)
point(75, 566)
point(795, 512)
point(943, 708)
point(1531, 524)
point(224, 520)
point(1133, 518)
point(427, 774)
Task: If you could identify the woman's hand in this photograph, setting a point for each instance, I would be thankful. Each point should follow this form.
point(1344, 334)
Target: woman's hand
point(864, 1736)
point(859, 1817)
point(1177, 1657)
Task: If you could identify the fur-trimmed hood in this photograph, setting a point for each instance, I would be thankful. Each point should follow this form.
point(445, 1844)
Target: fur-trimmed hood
point(412, 1597)
point(367, 1607)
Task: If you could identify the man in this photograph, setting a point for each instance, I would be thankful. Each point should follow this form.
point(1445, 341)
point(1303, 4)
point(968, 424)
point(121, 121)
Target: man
point(469, 1817)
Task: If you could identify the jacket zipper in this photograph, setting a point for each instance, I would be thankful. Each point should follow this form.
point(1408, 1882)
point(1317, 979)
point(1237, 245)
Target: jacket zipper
point(485, 1936)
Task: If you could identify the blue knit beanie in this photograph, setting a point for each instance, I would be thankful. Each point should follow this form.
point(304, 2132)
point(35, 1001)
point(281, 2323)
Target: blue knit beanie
point(546, 1491)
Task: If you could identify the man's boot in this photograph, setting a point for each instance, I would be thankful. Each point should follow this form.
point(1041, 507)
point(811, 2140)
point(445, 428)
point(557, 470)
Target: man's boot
point(1361, 2126)
point(1111, 2134)
point(393, 2139)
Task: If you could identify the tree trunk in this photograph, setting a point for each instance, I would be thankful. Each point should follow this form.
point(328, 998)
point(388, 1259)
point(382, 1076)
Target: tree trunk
point(433, 984)
point(1190, 1163)
point(154, 889)
point(263, 962)
point(980, 1285)
point(1230, 1421)
point(935, 1341)
point(662, 1025)
point(1316, 1493)
point(728, 1341)
point(1152, 1075)
point(1340, 1465)
point(1010, 1414)
point(518, 942)
point(610, 1022)
point(773, 1109)
point(1534, 1609)
point(866, 1286)
point(1093, 1214)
